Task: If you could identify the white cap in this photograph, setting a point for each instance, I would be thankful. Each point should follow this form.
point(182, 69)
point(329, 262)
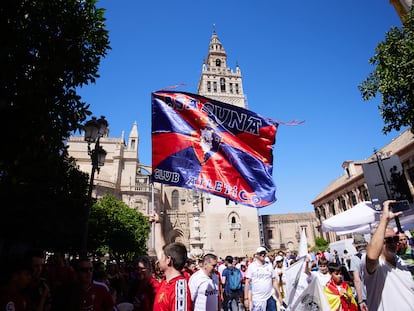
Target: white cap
point(260, 249)
point(278, 258)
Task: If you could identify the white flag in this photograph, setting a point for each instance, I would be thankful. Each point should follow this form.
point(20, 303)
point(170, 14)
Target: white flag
point(295, 280)
point(303, 244)
point(312, 299)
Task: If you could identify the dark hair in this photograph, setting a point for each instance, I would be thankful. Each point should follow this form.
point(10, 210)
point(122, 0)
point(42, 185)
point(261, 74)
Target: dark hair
point(208, 257)
point(229, 259)
point(178, 253)
point(145, 260)
point(76, 263)
point(322, 261)
point(334, 267)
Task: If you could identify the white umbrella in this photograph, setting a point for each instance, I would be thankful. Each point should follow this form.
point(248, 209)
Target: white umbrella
point(362, 218)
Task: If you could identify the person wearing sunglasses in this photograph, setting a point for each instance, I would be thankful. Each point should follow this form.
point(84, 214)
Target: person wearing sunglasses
point(264, 282)
point(82, 293)
point(387, 278)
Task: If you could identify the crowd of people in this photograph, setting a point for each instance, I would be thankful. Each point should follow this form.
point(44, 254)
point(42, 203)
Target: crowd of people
point(377, 277)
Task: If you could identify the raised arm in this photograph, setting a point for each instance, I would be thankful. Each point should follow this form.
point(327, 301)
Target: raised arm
point(158, 236)
point(376, 244)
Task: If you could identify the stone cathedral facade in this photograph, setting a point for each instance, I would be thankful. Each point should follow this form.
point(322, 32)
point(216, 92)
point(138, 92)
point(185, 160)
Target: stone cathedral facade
point(203, 222)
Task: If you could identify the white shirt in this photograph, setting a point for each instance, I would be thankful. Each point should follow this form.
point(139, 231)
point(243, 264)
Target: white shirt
point(261, 278)
point(389, 287)
point(221, 268)
point(322, 278)
point(204, 291)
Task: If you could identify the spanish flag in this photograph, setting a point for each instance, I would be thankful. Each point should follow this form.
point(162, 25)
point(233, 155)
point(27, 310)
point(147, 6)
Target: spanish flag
point(336, 300)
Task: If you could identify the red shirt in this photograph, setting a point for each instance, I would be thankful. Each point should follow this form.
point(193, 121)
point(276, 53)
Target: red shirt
point(97, 298)
point(145, 295)
point(13, 300)
point(173, 295)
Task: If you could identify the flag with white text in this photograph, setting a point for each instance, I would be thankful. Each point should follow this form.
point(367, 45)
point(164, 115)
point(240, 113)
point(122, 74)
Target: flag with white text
point(207, 145)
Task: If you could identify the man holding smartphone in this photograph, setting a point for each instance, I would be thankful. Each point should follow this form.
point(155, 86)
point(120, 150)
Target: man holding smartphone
point(388, 281)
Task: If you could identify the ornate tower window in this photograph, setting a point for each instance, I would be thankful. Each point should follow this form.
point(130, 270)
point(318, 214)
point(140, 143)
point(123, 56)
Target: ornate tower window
point(231, 87)
point(222, 84)
point(208, 86)
point(215, 86)
point(218, 62)
point(237, 88)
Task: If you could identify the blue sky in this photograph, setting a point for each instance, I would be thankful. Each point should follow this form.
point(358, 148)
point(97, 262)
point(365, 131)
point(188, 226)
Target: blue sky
point(300, 60)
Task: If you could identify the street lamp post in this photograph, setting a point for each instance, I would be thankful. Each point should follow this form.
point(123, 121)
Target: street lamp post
point(94, 130)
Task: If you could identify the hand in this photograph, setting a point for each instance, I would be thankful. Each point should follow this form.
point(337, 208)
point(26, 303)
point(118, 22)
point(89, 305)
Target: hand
point(154, 218)
point(386, 212)
point(363, 306)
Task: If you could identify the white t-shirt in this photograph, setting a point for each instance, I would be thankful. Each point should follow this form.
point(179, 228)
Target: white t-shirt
point(261, 278)
point(204, 291)
point(221, 268)
point(322, 278)
point(389, 287)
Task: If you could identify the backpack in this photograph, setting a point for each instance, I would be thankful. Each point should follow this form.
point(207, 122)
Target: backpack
point(233, 278)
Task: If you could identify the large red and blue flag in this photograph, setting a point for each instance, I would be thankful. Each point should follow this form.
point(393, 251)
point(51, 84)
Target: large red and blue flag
point(203, 144)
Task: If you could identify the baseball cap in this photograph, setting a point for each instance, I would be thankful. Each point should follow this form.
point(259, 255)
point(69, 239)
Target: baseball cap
point(260, 250)
point(359, 240)
point(279, 258)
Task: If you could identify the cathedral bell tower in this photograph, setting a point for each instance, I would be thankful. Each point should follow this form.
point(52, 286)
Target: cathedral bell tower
point(217, 81)
point(226, 228)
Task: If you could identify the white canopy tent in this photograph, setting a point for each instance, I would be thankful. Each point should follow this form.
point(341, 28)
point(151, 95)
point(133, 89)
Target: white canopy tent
point(362, 218)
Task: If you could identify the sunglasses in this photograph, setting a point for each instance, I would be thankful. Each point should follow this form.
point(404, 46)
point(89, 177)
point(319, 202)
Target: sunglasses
point(262, 254)
point(392, 239)
point(85, 270)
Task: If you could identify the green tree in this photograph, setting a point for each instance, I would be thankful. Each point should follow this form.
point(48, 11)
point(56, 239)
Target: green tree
point(49, 49)
point(393, 76)
point(117, 229)
point(320, 244)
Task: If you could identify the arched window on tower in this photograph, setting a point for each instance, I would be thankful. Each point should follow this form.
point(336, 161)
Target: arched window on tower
point(174, 200)
point(208, 86)
point(233, 220)
point(218, 62)
point(132, 146)
point(222, 84)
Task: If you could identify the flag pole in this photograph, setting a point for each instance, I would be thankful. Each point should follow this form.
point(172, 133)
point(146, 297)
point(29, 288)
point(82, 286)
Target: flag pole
point(152, 213)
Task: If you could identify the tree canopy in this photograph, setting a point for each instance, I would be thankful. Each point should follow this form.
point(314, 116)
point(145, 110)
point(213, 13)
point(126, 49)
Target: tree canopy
point(49, 49)
point(117, 229)
point(393, 76)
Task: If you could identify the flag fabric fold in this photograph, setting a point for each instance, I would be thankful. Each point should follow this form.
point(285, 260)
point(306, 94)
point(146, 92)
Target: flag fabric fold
point(336, 300)
point(295, 280)
point(206, 145)
point(312, 298)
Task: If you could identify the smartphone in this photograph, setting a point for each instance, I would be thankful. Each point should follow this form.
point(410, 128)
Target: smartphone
point(400, 206)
